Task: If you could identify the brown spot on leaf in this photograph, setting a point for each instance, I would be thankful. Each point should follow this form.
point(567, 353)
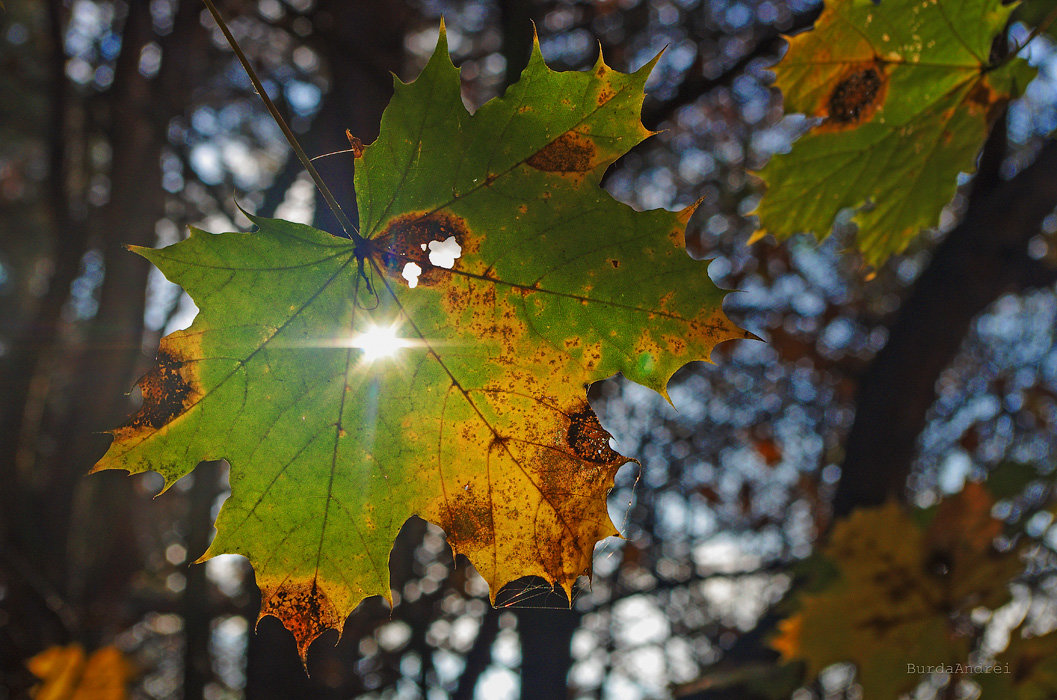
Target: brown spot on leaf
point(167, 392)
point(468, 520)
point(588, 439)
point(406, 240)
point(882, 624)
point(572, 480)
point(983, 100)
point(981, 94)
point(676, 344)
point(605, 96)
point(303, 609)
point(569, 153)
point(856, 96)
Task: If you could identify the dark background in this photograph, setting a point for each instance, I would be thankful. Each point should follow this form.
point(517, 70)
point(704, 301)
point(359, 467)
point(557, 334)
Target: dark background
point(124, 122)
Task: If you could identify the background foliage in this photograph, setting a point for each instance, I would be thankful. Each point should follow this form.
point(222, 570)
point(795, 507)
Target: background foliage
point(125, 122)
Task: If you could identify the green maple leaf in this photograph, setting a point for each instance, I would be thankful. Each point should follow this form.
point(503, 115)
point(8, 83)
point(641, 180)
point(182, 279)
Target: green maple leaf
point(478, 419)
point(906, 92)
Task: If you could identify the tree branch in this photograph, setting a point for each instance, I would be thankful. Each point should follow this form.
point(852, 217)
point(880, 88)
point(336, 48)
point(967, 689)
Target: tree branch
point(697, 84)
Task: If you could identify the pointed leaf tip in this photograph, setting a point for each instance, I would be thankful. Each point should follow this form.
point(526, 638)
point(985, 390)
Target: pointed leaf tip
point(756, 236)
point(687, 212)
point(647, 68)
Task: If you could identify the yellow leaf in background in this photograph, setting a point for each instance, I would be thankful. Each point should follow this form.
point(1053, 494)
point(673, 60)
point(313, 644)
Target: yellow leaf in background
point(881, 613)
point(787, 642)
point(67, 674)
point(901, 590)
point(59, 668)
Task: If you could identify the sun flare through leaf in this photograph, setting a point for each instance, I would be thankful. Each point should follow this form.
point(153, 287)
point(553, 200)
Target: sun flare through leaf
point(380, 342)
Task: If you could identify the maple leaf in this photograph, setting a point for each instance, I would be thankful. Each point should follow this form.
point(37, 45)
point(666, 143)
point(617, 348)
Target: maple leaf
point(906, 92)
point(899, 585)
point(475, 415)
point(66, 673)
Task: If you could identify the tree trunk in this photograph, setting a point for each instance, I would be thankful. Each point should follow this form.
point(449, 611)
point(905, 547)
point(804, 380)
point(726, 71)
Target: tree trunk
point(982, 258)
point(546, 650)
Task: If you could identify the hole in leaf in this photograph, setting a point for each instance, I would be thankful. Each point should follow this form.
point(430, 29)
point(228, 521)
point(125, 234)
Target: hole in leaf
point(410, 273)
point(432, 240)
point(444, 253)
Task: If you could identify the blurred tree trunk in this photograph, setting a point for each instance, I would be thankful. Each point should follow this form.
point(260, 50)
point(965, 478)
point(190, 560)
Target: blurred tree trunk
point(67, 378)
point(112, 355)
point(197, 615)
point(985, 256)
point(362, 44)
point(546, 637)
point(20, 410)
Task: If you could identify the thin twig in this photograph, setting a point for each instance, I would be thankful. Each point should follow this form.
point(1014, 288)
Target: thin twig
point(332, 153)
point(1039, 29)
point(346, 224)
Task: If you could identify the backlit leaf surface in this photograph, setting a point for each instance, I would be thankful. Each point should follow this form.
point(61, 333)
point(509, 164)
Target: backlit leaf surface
point(905, 91)
point(478, 419)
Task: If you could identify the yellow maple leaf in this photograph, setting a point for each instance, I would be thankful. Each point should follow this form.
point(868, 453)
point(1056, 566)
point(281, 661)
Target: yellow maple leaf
point(67, 673)
point(902, 586)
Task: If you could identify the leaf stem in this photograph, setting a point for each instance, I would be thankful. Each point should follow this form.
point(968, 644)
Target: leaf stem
point(346, 224)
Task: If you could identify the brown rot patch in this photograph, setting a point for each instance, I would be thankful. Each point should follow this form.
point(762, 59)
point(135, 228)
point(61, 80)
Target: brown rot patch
point(983, 100)
point(856, 96)
point(588, 439)
point(422, 246)
point(167, 392)
point(569, 153)
point(467, 521)
point(303, 609)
